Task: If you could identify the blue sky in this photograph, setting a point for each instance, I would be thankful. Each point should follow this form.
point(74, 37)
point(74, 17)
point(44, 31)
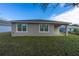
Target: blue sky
point(25, 11)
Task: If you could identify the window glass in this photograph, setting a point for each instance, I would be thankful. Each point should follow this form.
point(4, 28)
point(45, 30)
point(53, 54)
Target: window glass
point(19, 27)
point(22, 27)
point(44, 27)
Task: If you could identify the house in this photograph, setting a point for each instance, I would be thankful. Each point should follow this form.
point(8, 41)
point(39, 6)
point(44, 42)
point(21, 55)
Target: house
point(5, 26)
point(71, 28)
point(37, 28)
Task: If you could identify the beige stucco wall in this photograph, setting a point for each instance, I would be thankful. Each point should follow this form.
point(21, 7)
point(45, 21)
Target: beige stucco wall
point(33, 30)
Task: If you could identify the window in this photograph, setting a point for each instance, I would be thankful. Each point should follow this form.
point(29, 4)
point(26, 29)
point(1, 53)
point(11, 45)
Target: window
point(43, 27)
point(22, 27)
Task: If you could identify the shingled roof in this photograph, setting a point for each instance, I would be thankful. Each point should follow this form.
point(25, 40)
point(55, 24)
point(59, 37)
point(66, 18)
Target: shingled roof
point(41, 21)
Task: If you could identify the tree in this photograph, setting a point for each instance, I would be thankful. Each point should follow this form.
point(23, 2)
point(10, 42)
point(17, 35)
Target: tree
point(45, 5)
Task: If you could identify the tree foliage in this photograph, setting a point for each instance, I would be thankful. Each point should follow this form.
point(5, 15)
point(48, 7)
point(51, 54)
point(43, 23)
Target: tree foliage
point(44, 6)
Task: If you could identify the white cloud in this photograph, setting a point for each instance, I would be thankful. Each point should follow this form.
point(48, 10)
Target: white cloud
point(70, 16)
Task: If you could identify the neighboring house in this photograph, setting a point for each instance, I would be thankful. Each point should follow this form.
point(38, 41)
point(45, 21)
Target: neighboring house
point(5, 23)
point(37, 28)
point(5, 29)
point(71, 28)
point(5, 26)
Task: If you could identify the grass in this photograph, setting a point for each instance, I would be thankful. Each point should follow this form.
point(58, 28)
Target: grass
point(39, 46)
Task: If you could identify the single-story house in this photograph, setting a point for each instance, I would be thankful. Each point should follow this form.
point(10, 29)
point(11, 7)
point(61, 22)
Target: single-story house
point(71, 28)
point(37, 28)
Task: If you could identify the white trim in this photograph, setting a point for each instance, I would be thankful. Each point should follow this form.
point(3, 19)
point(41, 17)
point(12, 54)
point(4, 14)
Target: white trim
point(21, 31)
point(44, 31)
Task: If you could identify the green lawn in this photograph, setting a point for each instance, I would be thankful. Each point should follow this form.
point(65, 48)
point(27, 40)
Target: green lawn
point(39, 46)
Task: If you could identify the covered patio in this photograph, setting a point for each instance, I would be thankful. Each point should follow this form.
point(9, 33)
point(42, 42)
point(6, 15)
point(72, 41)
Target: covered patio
point(57, 28)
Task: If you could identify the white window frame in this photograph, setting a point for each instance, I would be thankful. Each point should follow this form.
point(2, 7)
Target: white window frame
point(21, 31)
point(44, 31)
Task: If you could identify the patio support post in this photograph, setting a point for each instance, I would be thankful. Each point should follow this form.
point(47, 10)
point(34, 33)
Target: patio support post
point(66, 30)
